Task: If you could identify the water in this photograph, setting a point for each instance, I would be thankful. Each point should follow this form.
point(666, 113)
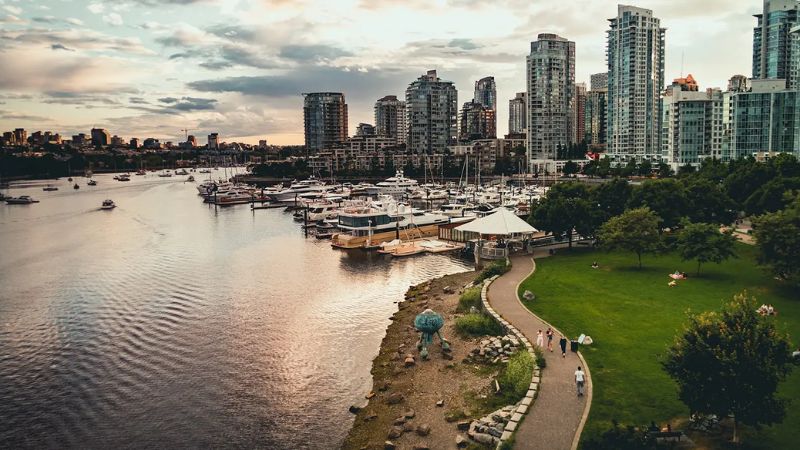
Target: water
point(169, 323)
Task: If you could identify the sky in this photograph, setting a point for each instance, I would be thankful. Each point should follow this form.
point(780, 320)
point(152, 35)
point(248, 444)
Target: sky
point(154, 68)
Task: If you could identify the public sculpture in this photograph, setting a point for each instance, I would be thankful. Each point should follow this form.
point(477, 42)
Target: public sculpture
point(429, 323)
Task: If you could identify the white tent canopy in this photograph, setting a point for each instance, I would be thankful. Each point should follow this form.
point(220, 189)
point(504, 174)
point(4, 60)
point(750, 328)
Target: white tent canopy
point(501, 222)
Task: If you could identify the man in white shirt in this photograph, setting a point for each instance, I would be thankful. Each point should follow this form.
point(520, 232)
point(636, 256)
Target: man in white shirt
point(580, 377)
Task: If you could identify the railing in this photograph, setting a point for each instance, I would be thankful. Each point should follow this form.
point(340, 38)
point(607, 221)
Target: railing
point(494, 253)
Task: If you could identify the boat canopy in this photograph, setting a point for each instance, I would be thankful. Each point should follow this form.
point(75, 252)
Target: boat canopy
point(501, 222)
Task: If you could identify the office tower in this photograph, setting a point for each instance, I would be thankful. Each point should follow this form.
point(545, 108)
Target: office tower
point(794, 61)
point(579, 114)
point(598, 81)
point(100, 137)
point(517, 118)
point(213, 141)
point(390, 118)
point(134, 143)
point(635, 57)
point(772, 44)
point(325, 120)
point(766, 120)
point(477, 122)
point(20, 136)
point(486, 92)
point(551, 86)
point(432, 114)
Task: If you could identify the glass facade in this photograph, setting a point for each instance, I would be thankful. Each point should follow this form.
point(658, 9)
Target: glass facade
point(772, 43)
point(765, 122)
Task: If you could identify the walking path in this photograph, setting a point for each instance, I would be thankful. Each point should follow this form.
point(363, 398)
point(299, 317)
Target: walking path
point(558, 414)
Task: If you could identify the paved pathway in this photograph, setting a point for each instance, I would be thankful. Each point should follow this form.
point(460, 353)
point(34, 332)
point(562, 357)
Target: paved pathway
point(558, 412)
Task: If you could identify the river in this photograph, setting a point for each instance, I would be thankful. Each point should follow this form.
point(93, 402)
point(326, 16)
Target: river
point(169, 323)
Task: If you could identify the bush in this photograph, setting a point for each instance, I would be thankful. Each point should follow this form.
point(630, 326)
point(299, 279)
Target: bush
point(471, 297)
point(622, 438)
point(540, 361)
point(495, 268)
point(478, 324)
point(516, 378)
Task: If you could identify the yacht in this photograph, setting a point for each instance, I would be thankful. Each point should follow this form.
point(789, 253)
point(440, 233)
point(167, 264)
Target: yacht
point(322, 211)
point(165, 174)
point(123, 177)
point(204, 171)
point(181, 172)
point(141, 172)
point(396, 185)
point(92, 183)
point(108, 204)
point(21, 200)
point(376, 218)
point(50, 187)
point(310, 185)
point(455, 210)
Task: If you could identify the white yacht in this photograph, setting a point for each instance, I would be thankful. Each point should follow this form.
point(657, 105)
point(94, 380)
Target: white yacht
point(397, 185)
point(310, 185)
point(376, 218)
point(455, 210)
point(322, 211)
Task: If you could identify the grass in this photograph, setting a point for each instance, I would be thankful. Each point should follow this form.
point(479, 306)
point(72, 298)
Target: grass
point(471, 297)
point(633, 316)
point(477, 324)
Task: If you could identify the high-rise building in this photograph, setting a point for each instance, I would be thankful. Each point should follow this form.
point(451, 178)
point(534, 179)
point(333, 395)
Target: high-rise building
point(738, 83)
point(598, 81)
point(390, 118)
point(432, 112)
point(517, 118)
point(100, 137)
point(8, 138)
point(579, 114)
point(325, 119)
point(595, 119)
point(794, 60)
point(20, 136)
point(635, 57)
point(365, 129)
point(117, 141)
point(693, 124)
point(477, 122)
point(766, 120)
point(551, 93)
point(486, 92)
point(134, 143)
point(80, 139)
point(213, 141)
point(772, 45)
point(191, 141)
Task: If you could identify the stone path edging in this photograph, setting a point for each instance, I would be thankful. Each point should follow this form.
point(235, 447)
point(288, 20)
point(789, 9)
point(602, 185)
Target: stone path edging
point(530, 396)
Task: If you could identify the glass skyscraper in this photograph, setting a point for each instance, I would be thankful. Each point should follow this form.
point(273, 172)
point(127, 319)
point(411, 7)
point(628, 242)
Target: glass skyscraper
point(772, 43)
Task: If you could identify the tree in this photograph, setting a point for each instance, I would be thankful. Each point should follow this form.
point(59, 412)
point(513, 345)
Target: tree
point(612, 197)
point(603, 167)
point(590, 168)
point(567, 207)
point(630, 168)
point(703, 242)
point(778, 238)
point(570, 168)
point(635, 230)
point(666, 197)
point(645, 169)
point(770, 196)
point(730, 363)
point(707, 202)
point(664, 170)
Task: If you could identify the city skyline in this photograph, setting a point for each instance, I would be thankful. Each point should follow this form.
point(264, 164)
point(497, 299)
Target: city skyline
point(79, 65)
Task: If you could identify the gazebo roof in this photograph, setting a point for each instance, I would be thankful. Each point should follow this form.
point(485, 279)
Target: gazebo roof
point(501, 222)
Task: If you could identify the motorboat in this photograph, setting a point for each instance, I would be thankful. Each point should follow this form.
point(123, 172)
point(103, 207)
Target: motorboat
point(108, 204)
point(377, 217)
point(50, 187)
point(92, 183)
point(181, 172)
point(204, 171)
point(396, 186)
point(141, 172)
point(21, 200)
point(191, 178)
point(76, 187)
point(124, 177)
point(322, 211)
point(292, 192)
point(165, 174)
point(455, 210)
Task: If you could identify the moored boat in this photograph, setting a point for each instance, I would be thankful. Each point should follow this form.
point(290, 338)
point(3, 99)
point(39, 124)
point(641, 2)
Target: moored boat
point(108, 204)
point(50, 187)
point(21, 200)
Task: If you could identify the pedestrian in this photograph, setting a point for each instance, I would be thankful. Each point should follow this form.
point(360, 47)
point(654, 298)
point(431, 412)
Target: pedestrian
point(563, 343)
point(579, 379)
point(549, 339)
point(540, 339)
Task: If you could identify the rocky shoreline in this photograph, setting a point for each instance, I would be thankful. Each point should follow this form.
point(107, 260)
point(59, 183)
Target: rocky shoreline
point(444, 401)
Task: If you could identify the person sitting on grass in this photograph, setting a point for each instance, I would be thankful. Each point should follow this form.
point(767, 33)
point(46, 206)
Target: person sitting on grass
point(796, 354)
point(595, 265)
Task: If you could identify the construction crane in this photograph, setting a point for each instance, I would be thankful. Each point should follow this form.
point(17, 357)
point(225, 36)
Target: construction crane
point(186, 131)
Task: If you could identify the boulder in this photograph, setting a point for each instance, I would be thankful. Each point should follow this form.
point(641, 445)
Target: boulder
point(399, 421)
point(463, 425)
point(408, 426)
point(395, 432)
point(447, 290)
point(440, 403)
point(424, 429)
point(461, 441)
point(354, 409)
point(409, 361)
point(409, 414)
point(483, 438)
point(395, 398)
point(389, 445)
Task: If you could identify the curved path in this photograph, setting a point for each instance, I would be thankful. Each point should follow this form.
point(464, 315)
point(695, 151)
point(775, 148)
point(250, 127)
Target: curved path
point(557, 416)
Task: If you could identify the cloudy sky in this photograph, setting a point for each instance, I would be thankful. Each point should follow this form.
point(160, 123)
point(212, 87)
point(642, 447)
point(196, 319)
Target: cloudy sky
point(155, 67)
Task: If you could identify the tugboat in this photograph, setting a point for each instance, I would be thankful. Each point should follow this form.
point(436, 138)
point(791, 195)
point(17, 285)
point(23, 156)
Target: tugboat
point(108, 204)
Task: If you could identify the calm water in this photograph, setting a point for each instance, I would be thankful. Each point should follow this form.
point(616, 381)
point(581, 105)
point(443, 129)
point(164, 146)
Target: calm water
point(169, 323)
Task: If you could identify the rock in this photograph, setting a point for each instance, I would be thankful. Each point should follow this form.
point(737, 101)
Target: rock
point(440, 403)
point(447, 290)
point(483, 438)
point(395, 398)
point(424, 429)
point(395, 432)
point(370, 395)
point(408, 426)
point(410, 414)
point(461, 441)
point(463, 425)
point(409, 361)
point(400, 421)
point(354, 409)
point(370, 417)
point(389, 445)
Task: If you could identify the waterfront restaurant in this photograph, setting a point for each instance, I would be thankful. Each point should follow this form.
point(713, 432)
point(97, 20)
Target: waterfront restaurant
point(496, 234)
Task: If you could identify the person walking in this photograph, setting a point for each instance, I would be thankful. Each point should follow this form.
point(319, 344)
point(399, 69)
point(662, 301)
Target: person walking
point(580, 377)
point(549, 339)
point(563, 343)
point(540, 339)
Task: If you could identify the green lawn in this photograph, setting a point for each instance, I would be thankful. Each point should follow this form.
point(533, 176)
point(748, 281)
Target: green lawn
point(633, 316)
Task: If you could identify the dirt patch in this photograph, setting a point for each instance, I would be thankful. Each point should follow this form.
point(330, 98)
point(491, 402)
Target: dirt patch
point(400, 391)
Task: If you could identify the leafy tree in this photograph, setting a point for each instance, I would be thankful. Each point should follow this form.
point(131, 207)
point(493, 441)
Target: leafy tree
point(645, 169)
point(664, 170)
point(603, 167)
point(612, 197)
point(590, 168)
point(703, 242)
point(730, 363)
point(770, 196)
point(567, 207)
point(635, 230)
point(630, 168)
point(666, 197)
point(745, 178)
point(686, 169)
point(570, 168)
point(707, 202)
point(778, 238)
point(713, 169)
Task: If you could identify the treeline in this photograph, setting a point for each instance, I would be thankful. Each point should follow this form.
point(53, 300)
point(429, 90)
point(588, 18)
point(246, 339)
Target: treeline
point(695, 201)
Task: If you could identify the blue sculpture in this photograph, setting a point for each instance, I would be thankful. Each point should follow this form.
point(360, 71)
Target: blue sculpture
point(429, 323)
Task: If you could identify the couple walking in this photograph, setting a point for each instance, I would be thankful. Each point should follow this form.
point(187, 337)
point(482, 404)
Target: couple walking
point(550, 333)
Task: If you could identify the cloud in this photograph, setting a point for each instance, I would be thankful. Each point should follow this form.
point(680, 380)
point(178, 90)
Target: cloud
point(96, 8)
point(309, 53)
point(113, 19)
point(188, 103)
point(15, 10)
point(74, 21)
point(138, 101)
point(168, 100)
point(215, 65)
point(11, 115)
point(75, 38)
point(464, 44)
point(60, 47)
point(10, 18)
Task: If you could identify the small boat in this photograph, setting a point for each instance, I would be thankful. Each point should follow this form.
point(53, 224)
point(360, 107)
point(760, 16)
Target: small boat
point(50, 187)
point(165, 174)
point(93, 183)
point(124, 177)
point(204, 171)
point(76, 186)
point(21, 200)
point(181, 172)
point(108, 204)
point(191, 178)
point(141, 172)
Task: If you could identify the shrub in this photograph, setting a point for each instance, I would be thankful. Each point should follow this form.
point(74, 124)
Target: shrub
point(540, 361)
point(477, 324)
point(516, 378)
point(471, 297)
point(495, 268)
point(622, 438)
